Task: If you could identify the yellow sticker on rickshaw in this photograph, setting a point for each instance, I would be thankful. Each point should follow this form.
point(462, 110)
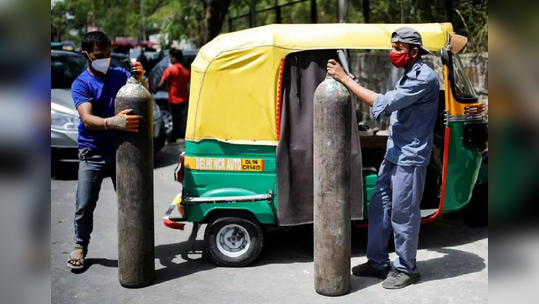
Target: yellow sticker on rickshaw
point(224, 164)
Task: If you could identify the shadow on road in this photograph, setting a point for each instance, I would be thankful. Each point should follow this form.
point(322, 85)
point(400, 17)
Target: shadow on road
point(96, 261)
point(453, 264)
point(296, 246)
point(167, 253)
point(102, 262)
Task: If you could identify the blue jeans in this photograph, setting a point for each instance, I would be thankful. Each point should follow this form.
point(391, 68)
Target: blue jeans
point(395, 205)
point(92, 169)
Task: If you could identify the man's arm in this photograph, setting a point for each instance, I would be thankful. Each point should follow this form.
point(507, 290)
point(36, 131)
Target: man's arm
point(89, 120)
point(164, 79)
point(122, 121)
point(160, 85)
point(365, 95)
point(387, 103)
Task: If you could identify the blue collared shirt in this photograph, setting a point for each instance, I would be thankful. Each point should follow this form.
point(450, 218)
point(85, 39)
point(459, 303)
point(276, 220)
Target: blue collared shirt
point(412, 107)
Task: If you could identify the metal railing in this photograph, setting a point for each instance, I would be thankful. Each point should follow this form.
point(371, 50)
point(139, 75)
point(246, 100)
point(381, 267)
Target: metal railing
point(278, 13)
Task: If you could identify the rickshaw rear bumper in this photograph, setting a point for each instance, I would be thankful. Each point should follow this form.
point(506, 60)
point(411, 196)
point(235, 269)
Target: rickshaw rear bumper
point(173, 223)
point(176, 221)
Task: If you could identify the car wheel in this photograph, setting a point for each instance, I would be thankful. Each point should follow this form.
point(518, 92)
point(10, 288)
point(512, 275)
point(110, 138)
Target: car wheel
point(233, 239)
point(167, 120)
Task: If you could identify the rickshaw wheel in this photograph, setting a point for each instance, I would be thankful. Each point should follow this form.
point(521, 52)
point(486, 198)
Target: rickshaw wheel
point(233, 239)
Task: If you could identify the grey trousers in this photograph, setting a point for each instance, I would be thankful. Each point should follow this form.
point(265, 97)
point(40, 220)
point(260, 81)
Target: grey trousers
point(395, 206)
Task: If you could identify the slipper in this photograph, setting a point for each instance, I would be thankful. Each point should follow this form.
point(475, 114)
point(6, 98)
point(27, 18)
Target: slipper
point(71, 260)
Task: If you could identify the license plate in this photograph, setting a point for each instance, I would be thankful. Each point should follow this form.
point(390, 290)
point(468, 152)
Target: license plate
point(224, 164)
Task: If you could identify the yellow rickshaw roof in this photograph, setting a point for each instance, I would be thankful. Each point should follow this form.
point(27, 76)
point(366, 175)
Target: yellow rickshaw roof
point(234, 77)
point(297, 37)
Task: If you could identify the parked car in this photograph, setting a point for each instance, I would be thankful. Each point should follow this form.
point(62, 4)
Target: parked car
point(161, 96)
point(65, 120)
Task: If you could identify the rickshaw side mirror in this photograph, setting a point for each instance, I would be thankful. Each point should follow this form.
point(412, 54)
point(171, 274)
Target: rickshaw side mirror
point(457, 43)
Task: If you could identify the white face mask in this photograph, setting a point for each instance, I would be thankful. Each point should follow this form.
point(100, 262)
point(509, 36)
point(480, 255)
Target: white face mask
point(100, 65)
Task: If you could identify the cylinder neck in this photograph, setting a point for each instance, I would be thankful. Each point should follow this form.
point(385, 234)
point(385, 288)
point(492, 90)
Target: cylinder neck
point(132, 80)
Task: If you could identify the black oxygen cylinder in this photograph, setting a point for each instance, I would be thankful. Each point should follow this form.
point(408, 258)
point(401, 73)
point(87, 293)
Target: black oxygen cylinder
point(134, 186)
point(332, 215)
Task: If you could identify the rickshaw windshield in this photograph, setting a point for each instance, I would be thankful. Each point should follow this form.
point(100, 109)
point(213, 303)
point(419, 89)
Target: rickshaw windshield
point(463, 89)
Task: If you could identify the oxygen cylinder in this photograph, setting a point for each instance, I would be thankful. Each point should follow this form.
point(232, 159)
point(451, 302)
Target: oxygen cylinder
point(332, 215)
point(134, 186)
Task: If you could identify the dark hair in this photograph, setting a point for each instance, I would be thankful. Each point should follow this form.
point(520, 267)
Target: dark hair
point(92, 39)
point(178, 54)
point(412, 46)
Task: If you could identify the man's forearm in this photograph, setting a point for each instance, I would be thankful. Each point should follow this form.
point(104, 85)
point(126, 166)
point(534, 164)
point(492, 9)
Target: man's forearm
point(160, 85)
point(365, 95)
point(94, 122)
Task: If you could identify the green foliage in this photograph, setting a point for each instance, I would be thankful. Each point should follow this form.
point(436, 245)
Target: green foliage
point(181, 19)
point(114, 17)
point(471, 20)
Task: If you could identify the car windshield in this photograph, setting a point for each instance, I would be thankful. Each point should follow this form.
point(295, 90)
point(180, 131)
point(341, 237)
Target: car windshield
point(65, 68)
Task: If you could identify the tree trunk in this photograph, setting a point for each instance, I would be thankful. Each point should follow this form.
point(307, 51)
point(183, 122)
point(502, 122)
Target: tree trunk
point(366, 11)
point(449, 10)
point(213, 14)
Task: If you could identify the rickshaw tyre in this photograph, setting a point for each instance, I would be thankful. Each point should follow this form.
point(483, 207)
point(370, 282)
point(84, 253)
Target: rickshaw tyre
point(249, 223)
point(476, 213)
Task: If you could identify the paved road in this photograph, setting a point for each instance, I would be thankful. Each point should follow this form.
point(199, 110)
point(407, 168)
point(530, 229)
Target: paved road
point(453, 259)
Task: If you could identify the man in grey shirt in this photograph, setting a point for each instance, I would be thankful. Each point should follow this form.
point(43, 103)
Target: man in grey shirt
point(395, 205)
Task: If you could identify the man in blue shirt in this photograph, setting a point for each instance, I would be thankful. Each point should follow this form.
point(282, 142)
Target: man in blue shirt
point(395, 205)
point(93, 93)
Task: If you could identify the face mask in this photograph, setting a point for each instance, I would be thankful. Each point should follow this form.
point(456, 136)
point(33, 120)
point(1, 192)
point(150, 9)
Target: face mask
point(399, 60)
point(100, 65)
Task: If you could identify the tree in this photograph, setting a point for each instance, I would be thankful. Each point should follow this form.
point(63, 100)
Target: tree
point(203, 19)
point(213, 14)
point(114, 17)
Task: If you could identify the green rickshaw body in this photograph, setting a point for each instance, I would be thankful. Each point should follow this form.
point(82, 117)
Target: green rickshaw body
point(462, 172)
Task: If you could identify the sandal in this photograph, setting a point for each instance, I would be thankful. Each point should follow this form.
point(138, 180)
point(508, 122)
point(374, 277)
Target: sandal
point(72, 260)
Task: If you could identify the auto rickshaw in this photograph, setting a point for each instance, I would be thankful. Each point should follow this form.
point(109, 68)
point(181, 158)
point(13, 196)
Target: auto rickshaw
point(243, 87)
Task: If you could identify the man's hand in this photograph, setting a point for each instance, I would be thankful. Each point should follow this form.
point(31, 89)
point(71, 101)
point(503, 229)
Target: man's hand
point(124, 122)
point(137, 67)
point(139, 72)
point(335, 70)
